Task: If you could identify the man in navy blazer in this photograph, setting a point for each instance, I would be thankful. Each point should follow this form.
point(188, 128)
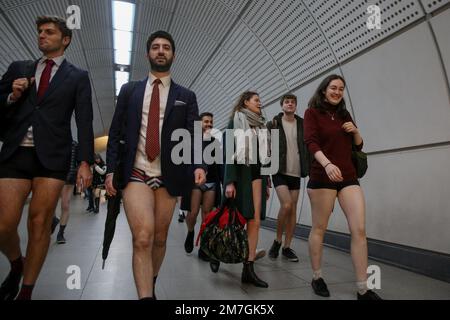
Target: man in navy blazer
point(36, 102)
point(151, 110)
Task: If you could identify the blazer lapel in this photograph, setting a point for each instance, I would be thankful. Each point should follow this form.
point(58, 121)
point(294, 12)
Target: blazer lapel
point(33, 90)
point(58, 78)
point(137, 101)
point(173, 93)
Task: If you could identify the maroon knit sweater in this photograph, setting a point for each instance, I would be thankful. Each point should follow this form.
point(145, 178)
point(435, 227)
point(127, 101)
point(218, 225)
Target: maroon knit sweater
point(321, 133)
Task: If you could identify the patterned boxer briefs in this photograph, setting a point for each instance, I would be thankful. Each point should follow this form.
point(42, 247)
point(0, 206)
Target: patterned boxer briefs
point(138, 175)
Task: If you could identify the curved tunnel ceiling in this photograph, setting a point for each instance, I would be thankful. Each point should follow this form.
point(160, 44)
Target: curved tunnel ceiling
point(223, 47)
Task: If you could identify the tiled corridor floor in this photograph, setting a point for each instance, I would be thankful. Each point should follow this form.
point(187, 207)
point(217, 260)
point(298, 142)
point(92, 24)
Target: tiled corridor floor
point(186, 277)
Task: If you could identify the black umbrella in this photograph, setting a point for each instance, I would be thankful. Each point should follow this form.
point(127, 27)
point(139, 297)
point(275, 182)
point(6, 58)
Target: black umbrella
point(110, 223)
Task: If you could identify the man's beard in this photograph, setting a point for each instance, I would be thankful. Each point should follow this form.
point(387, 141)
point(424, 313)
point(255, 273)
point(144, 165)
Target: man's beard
point(160, 67)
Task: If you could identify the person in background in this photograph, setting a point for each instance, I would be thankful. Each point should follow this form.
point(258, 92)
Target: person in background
point(66, 194)
point(98, 182)
point(205, 196)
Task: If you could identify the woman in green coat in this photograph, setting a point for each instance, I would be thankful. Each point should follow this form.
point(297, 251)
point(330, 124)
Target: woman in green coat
point(243, 180)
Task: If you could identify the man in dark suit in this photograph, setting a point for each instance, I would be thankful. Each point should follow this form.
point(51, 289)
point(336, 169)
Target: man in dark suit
point(152, 109)
point(35, 155)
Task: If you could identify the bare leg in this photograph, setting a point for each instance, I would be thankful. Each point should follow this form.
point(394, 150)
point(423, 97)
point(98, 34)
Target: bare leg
point(352, 202)
point(46, 192)
point(207, 203)
point(139, 205)
point(253, 224)
point(164, 207)
point(322, 201)
point(291, 220)
point(66, 194)
point(285, 209)
point(13, 194)
point(191, 216)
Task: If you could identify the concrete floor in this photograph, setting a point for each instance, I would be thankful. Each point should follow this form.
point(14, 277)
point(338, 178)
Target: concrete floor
point(185, 277)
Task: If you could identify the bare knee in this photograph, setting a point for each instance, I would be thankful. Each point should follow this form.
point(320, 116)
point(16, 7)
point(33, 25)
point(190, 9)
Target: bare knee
point(65, 205)
point(359, 234)
point(142, 241)
point(318, 230)
point(160, 240)
point(39, 227)
point(287, 206)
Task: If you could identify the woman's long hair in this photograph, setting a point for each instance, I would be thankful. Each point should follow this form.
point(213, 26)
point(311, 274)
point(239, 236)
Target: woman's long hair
point(318, 99)
point(247, 95)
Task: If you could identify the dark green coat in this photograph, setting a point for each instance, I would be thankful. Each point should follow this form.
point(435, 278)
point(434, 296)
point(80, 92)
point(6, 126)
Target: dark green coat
point(304, 155)
point(241, 175)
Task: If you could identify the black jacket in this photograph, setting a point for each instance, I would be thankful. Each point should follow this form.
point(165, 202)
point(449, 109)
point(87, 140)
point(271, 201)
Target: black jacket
point(69, 91)
point(304, 156)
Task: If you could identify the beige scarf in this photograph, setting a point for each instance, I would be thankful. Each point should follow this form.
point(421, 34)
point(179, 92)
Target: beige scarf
point(248, 126)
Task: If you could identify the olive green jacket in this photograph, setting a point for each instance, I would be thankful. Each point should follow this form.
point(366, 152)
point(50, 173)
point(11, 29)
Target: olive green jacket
point(241, 175)
point(304, 155)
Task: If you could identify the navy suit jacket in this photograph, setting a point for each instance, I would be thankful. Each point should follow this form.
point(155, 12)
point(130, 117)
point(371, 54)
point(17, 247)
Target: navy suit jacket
point(181, 115)
point(68, 91)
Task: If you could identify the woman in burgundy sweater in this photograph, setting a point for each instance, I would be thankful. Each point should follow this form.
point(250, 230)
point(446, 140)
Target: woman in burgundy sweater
point(329, 135)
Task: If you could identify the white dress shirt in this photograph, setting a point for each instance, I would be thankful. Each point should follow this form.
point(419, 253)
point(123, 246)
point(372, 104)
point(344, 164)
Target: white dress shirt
point(151, 169)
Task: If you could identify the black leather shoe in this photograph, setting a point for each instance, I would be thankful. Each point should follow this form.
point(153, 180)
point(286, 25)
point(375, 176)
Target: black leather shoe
point(189, 242)
point(10, 287)
point(214, 265)
point(320, 288)
point(369, 295)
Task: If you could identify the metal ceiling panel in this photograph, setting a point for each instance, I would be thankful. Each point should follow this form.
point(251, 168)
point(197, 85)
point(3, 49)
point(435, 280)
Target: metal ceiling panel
point(432, 5)
point(344, 22)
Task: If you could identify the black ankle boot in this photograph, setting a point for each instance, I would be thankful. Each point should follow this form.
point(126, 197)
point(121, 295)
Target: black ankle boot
point(249, 276)
point(97, 204)
point(189, 242)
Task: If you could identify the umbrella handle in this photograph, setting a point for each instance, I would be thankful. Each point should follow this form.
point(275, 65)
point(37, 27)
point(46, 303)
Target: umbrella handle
point(103, 264)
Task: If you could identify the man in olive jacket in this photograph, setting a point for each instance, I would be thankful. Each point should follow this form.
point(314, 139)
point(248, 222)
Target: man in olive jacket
point(294, 164)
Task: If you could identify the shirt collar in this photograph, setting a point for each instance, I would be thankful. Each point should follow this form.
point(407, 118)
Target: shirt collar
point(58, 60)
point(165, 81)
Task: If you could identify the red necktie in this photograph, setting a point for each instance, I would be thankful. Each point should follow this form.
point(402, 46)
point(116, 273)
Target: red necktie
point(45, 78)
point(152, 139)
